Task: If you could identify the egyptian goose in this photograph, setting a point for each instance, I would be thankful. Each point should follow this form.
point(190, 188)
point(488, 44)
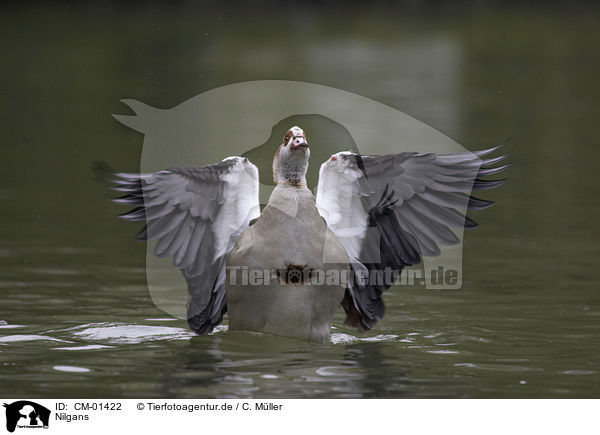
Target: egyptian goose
point(370, 213)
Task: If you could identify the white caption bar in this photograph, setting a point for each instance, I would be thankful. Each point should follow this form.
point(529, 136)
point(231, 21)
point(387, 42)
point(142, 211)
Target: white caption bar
point(154, 416)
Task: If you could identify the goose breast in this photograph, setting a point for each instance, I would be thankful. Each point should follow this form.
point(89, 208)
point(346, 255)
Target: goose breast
point(296, 258)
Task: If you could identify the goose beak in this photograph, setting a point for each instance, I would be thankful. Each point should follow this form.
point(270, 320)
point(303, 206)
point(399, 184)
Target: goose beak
point(298, 143)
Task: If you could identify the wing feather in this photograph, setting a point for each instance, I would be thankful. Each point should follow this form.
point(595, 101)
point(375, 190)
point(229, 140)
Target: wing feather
point(195, 215)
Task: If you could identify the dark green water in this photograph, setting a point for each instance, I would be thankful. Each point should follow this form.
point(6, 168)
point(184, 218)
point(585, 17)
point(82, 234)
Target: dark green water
point(524, 324)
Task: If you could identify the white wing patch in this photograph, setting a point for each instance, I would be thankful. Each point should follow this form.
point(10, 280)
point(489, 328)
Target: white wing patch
point(339, 202)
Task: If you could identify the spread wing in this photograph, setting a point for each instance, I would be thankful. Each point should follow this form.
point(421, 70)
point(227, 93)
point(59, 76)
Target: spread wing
point(388, 211)
point(195, 215)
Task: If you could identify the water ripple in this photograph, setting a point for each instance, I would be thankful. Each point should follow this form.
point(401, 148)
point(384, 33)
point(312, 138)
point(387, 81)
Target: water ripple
point(19, 338)
point(124, 333)
point(71, 369)
point(87, 347)
point(4, 325)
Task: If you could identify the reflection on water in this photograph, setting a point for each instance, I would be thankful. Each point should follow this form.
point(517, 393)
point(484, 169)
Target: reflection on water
point(76, 319)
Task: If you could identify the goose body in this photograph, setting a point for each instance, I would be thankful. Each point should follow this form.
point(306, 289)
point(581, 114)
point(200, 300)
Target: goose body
point(288, 240)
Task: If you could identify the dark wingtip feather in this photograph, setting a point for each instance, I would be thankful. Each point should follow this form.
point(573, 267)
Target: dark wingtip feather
point(470, 224)
point(131, 199)
point(479, 204)
point(137, 214)
point(125, 189)
point(493, 161)
point(487, 151)
point(203, 323)
point(483, 172)
point(480, 184)
point(143, 234)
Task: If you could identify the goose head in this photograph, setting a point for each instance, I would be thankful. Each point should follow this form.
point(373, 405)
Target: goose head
point(291, 159)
